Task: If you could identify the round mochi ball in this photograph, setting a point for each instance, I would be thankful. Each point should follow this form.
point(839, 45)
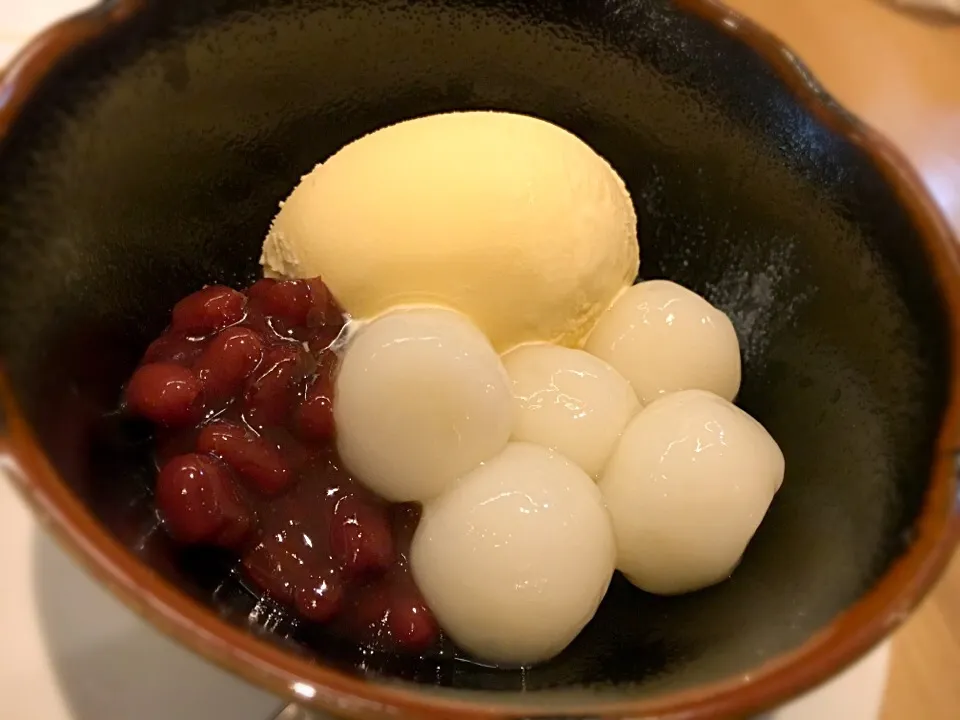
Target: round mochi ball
point(421, 398)
point(570, 401)
point(515, 558)
point(663, 338)
point(687, 487)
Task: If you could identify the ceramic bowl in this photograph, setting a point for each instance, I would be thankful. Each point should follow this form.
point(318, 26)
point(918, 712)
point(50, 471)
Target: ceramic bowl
point(146, 145)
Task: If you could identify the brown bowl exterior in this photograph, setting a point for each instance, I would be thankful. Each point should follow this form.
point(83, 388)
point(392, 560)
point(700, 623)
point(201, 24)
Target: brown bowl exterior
point(148, 590)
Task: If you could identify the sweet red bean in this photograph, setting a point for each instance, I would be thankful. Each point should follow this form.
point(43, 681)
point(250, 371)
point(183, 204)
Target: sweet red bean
point(174, 348)
point(360, 538)
point(226, 362)
point(322, 299)
point(272, 570)
point(250, 456)
point(271, 393)
point(260, 289)
point(320, 339)
point(208, 310)
point(198, 503)
point(165, 393)
point(320, 334)
point(326, 311)
point(327, 363)
point(294, 453)
point(264, 478)
point(290, 300)
point(314, 418)
point(321, 600)
point(411, 623)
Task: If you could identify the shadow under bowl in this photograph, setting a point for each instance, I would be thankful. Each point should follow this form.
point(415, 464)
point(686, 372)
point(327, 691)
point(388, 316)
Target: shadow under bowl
point(146, 147)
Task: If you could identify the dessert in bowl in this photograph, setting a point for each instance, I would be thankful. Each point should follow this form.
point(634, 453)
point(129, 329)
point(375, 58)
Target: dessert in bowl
point(378, 468)
point(822, 251)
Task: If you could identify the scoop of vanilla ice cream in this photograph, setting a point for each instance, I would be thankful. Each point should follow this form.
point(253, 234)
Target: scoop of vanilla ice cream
point(508, 219)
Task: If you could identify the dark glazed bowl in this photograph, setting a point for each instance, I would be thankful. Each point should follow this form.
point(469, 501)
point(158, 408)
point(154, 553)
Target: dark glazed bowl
point(146, 146)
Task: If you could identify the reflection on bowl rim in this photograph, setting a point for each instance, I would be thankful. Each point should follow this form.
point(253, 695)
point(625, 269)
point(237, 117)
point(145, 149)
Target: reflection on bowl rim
point(843, 641)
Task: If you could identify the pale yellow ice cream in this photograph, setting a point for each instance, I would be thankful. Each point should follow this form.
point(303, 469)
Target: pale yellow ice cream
point(511, 220)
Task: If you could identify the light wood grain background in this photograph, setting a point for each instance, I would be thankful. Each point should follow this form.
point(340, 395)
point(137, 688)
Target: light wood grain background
point(900, 73)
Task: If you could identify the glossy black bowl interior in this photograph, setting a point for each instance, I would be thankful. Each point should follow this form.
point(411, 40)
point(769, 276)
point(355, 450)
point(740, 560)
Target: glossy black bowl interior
point(152, 161)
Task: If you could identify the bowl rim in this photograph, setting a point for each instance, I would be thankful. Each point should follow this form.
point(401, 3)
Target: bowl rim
point(849, 636)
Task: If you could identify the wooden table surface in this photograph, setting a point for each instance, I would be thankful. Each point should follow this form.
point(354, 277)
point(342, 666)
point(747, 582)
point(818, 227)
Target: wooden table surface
point(900, 73)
